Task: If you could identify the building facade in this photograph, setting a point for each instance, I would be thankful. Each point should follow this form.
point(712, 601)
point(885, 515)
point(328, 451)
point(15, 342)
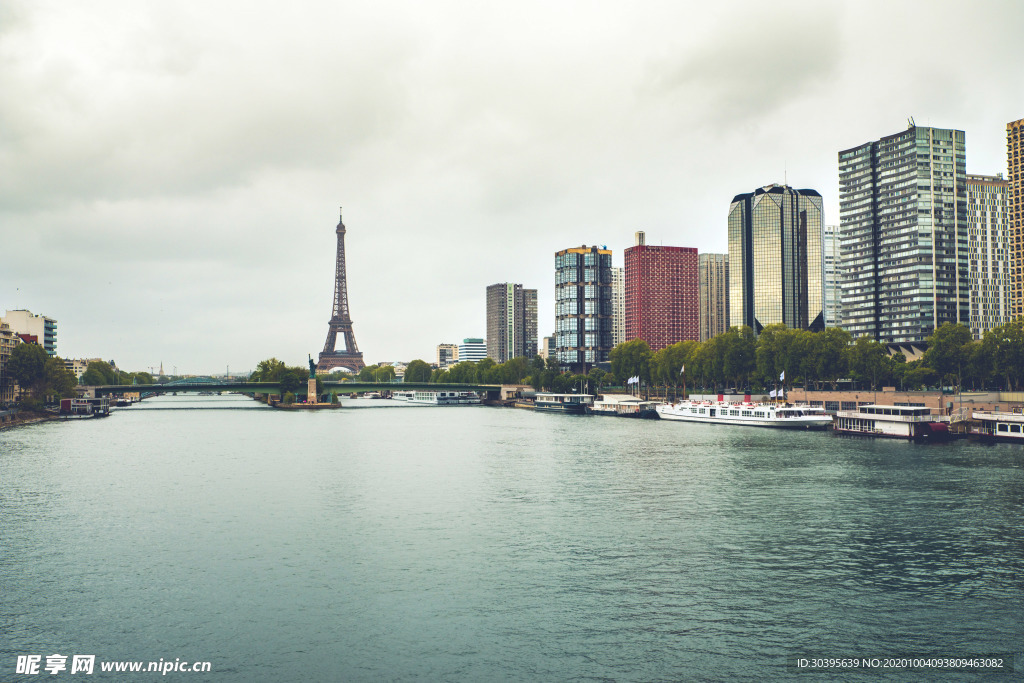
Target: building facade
point(1015, 212)
point(714, 294)
point(833, 277)
point(447, 355)
point(7, 341)
point(511, 322)
point(547, 348)
point(903, 234)
point(472, 349)
point(662, 294)
point(583, 307)
point(618, 306)
point(988, 253)
point(39, 326)
point(776, 274)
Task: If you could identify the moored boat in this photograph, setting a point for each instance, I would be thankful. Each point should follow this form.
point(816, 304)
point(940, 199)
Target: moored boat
point(563, 403)
point(624, 405)
point(999, 425)
point(438, 398)
point(780, 416)
point(899, 422)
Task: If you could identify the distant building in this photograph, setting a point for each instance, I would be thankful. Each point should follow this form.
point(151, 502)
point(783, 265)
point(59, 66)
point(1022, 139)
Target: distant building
point(79, 365)
point(833, 277)
point(583, 307)
point(988, 253)
point(714, 294)
point(1015, 212)
point(447, 355)
point(903, 234)
point(7, 341)
point(547, 347)
point(472, 349)
point(511, 322)
point(775, 259)
point(662, 294)
point(43, 328)
point(618, 306)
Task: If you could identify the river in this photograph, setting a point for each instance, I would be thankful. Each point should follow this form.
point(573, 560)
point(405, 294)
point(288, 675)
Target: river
point(482, 544)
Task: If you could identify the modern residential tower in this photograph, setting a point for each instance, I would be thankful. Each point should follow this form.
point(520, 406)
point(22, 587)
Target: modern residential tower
point(583, 307)
point(775, 259)
point(662, 294)
point(988, 253)
point(903, 234)
point(511, 322)
point(714, 294)
point(833, 277)
point(1015, 210)
point(39, 326)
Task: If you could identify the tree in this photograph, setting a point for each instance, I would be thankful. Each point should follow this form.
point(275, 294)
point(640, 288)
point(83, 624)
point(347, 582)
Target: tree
point(869, 362)
point(1006, 346)
point(947, 351)
point(775, 353)
point(59, 381)
point(27, 365)
point(417, 371)
point(98, 373)
point(268, 370)
point(632, 359)
point(833, 357)
point(738, 358)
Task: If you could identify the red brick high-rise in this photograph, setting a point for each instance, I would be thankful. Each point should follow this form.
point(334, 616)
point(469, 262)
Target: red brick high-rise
point(662, 294)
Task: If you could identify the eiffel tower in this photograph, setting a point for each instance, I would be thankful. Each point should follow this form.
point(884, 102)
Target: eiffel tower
point(341, 323)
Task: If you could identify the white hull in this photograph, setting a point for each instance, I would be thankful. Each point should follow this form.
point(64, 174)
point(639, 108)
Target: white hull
point(749, 415)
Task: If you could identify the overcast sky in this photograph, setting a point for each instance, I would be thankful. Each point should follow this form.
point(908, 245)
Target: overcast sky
point(170, 173)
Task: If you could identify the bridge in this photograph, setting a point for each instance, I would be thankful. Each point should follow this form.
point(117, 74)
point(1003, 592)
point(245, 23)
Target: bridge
point(342, 388)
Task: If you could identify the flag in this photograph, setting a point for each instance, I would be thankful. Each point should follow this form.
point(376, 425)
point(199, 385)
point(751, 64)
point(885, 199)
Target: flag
point(782, 376)
point(682, 370)
point(771, 394)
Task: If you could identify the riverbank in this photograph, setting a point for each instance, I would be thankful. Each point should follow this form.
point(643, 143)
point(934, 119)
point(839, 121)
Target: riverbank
point(17, 419)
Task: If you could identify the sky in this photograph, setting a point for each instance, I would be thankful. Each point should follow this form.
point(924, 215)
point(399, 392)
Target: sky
point(171, 173)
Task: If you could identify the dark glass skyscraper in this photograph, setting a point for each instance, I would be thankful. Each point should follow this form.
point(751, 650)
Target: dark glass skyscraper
point(583, 307)
point(903, 234)
point(775, 259)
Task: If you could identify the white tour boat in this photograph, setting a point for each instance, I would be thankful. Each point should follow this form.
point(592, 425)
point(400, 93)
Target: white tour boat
point(438, 398)
point(900, 422)
point(778, 415)
point(999, 425)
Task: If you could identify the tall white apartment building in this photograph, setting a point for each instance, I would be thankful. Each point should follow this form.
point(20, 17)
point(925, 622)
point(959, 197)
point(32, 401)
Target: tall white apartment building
point(988, 252)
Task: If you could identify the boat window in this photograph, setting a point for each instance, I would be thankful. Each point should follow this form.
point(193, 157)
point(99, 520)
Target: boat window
point(1004, 428)
point(1015, 429)
point(758, 414)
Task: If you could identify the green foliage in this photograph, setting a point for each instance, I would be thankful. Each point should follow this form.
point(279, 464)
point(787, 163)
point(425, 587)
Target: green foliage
point(632, 359)
point(417, 371)
point(948, 352)
point(869, 362)
point(289, 398)
point(58, 380)
point(27, 365)
point(334, 397)
point(377, 373)
point(268, 371)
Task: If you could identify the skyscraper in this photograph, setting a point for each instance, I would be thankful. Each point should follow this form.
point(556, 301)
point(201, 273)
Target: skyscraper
point(618, 306)
point(511, 322)
point(775, 259)
point(583, 307)
point(1015, 211)
point(662, 294)
point(903, 234)
point(714, 294)
point(472, 349)
point(833, 277)
point(988, 253)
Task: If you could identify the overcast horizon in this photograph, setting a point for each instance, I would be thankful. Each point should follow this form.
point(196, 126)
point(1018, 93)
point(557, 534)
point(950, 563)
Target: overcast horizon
point(171, 174)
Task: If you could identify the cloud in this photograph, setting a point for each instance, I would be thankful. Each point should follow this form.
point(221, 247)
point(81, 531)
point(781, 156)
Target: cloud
point(751, 64)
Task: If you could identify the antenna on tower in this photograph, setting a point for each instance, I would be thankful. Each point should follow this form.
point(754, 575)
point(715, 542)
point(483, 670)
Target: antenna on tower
point(910, 122)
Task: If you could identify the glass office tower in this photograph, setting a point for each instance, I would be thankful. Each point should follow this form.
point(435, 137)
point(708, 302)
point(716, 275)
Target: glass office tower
point(776, 274)
point(583, 307)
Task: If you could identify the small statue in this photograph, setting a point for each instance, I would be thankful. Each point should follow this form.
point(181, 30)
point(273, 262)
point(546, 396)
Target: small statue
point(312, 368)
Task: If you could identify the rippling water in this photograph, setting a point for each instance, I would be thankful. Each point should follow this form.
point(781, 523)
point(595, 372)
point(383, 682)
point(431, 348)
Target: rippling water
point(468, 543)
